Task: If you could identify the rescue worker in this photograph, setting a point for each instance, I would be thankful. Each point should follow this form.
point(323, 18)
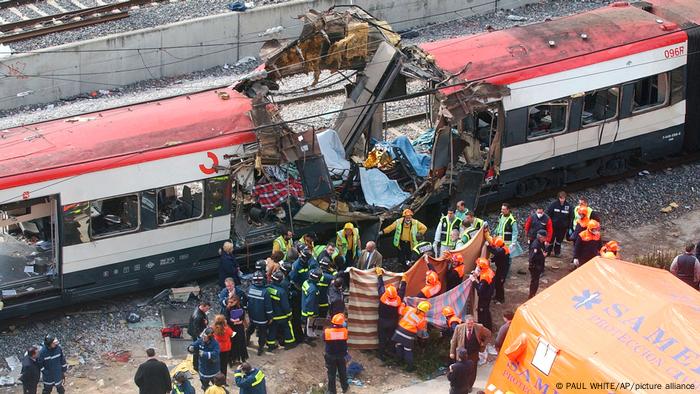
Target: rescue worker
point(328, 251)
point(181, 385)
point(432, 283)
point(198, 322)
point(536, 262)
point(483, 278)
point(389, 302)
point(562, 215)
point(587, 245)
point(455, 271)
point(260, 311)
point(582, 210)
point(283, 243)
point(412, 321)
point(230, 289)
point(31, 371)
point(281, 326)
point(538, 221)
point(507, 229)
point(405, 231)
point(53, 365)
point(250, 380)
point(499, 257)
point(309, 239)
point(421, 248)
point(327, 276)
point(686, 266)
point(335, 297)
point(298, 275)
point(336, 338)
point(443, 233)
point(451, 320)
point(461, 211)
point(456, 241)
point(580, 224)
point(309, 301)
point(208, 350)
point(348, 243)
point(610, 250)
point(470, 226)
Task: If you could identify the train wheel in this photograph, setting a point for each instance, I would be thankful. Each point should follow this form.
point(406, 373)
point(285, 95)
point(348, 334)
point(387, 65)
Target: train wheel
point(613, 166)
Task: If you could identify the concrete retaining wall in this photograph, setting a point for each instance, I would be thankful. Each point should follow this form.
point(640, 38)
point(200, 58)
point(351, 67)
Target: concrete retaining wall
point(125, 58)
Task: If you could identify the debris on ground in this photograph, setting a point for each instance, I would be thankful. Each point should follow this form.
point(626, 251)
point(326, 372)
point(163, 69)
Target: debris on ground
point(182, 294)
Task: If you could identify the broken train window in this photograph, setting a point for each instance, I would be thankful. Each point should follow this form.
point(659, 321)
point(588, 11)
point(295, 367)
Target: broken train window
point(547, 119)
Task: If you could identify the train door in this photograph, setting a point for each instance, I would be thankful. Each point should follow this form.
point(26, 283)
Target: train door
point(598, 123)
point(29, 250)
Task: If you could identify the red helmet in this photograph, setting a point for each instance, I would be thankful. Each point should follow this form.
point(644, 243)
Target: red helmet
point(391, 292)
point(457, 258)
point(431, 277)
point(338, 319)
point(483, 263)
point(497, 242)
point(448, 311)
point(582, 211)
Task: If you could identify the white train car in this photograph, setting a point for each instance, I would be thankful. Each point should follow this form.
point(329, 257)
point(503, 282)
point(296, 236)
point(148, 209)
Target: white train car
point(118, 200)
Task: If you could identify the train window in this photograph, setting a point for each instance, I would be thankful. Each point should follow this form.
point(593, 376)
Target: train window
point(180, 202)
point(76, 223)
point(547, 119)
point(114, 215)
point(599, 105)
point(216, 201)
point(649, 92)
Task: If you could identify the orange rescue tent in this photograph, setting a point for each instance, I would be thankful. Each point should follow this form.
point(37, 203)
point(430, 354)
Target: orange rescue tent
point(608, 327)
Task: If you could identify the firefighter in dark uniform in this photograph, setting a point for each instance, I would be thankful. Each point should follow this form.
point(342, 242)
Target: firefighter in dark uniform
point(336, 338)
point(260, 310)
point(483, 279)
point(562, 215)
point(281, 327)
point(389, 302)
point(451, 321)
point(327, 277)
point(309, 301)
point(536, 262)
point(297, 276)
point(455, 271)
point(499, 257)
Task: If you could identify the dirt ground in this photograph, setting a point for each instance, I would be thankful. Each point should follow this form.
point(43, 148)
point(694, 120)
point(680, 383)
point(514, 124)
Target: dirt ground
point(301, 370)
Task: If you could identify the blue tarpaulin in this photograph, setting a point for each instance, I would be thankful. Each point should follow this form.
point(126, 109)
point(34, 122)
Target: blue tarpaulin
point(419, 162)
point(379, 190)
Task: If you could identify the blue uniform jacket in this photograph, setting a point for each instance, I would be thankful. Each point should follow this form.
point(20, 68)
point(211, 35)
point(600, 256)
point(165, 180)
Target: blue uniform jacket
point(228, 268)
point(251, 383)
point(309, 298)
point(300, 271)
point(326, 280)
point(223, 298)
point(259, 304)
point(280, 301)
point(185, 388)
point(53, 365)
point(208, 357)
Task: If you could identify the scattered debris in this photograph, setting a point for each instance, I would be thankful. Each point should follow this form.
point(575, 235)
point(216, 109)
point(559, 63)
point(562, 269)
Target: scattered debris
point(271, 31)
point(133, 318)
point(25, 93)
point(246, 60)
point(643, 173)
point(182, 294)
point(238, 6)
point(122, 356)
point(516, 18)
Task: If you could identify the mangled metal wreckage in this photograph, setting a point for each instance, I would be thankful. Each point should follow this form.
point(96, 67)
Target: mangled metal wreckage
point(347, 172)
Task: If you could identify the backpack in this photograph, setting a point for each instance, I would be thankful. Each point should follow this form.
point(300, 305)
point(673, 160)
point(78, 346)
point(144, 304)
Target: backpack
point(174, 331)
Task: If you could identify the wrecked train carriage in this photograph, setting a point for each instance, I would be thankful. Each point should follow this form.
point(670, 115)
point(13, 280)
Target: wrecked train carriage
point(353, 174)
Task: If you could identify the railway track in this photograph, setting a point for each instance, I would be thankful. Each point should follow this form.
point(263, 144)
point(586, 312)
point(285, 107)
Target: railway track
point(31, 20)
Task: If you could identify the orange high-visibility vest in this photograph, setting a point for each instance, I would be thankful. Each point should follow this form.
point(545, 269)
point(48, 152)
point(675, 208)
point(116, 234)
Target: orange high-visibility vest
point(431, 290)
point(336, 334)
point(411, 321)
point(460, 270)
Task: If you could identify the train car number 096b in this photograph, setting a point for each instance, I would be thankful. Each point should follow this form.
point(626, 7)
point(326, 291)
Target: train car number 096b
point(674, 52)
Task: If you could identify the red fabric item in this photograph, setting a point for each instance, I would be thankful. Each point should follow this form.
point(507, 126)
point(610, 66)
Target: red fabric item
point(271, 195)
point(224, 340)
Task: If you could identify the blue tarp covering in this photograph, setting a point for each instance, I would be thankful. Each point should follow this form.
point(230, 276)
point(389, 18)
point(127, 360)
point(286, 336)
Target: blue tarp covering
point(419, 162)
point(379, 190)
